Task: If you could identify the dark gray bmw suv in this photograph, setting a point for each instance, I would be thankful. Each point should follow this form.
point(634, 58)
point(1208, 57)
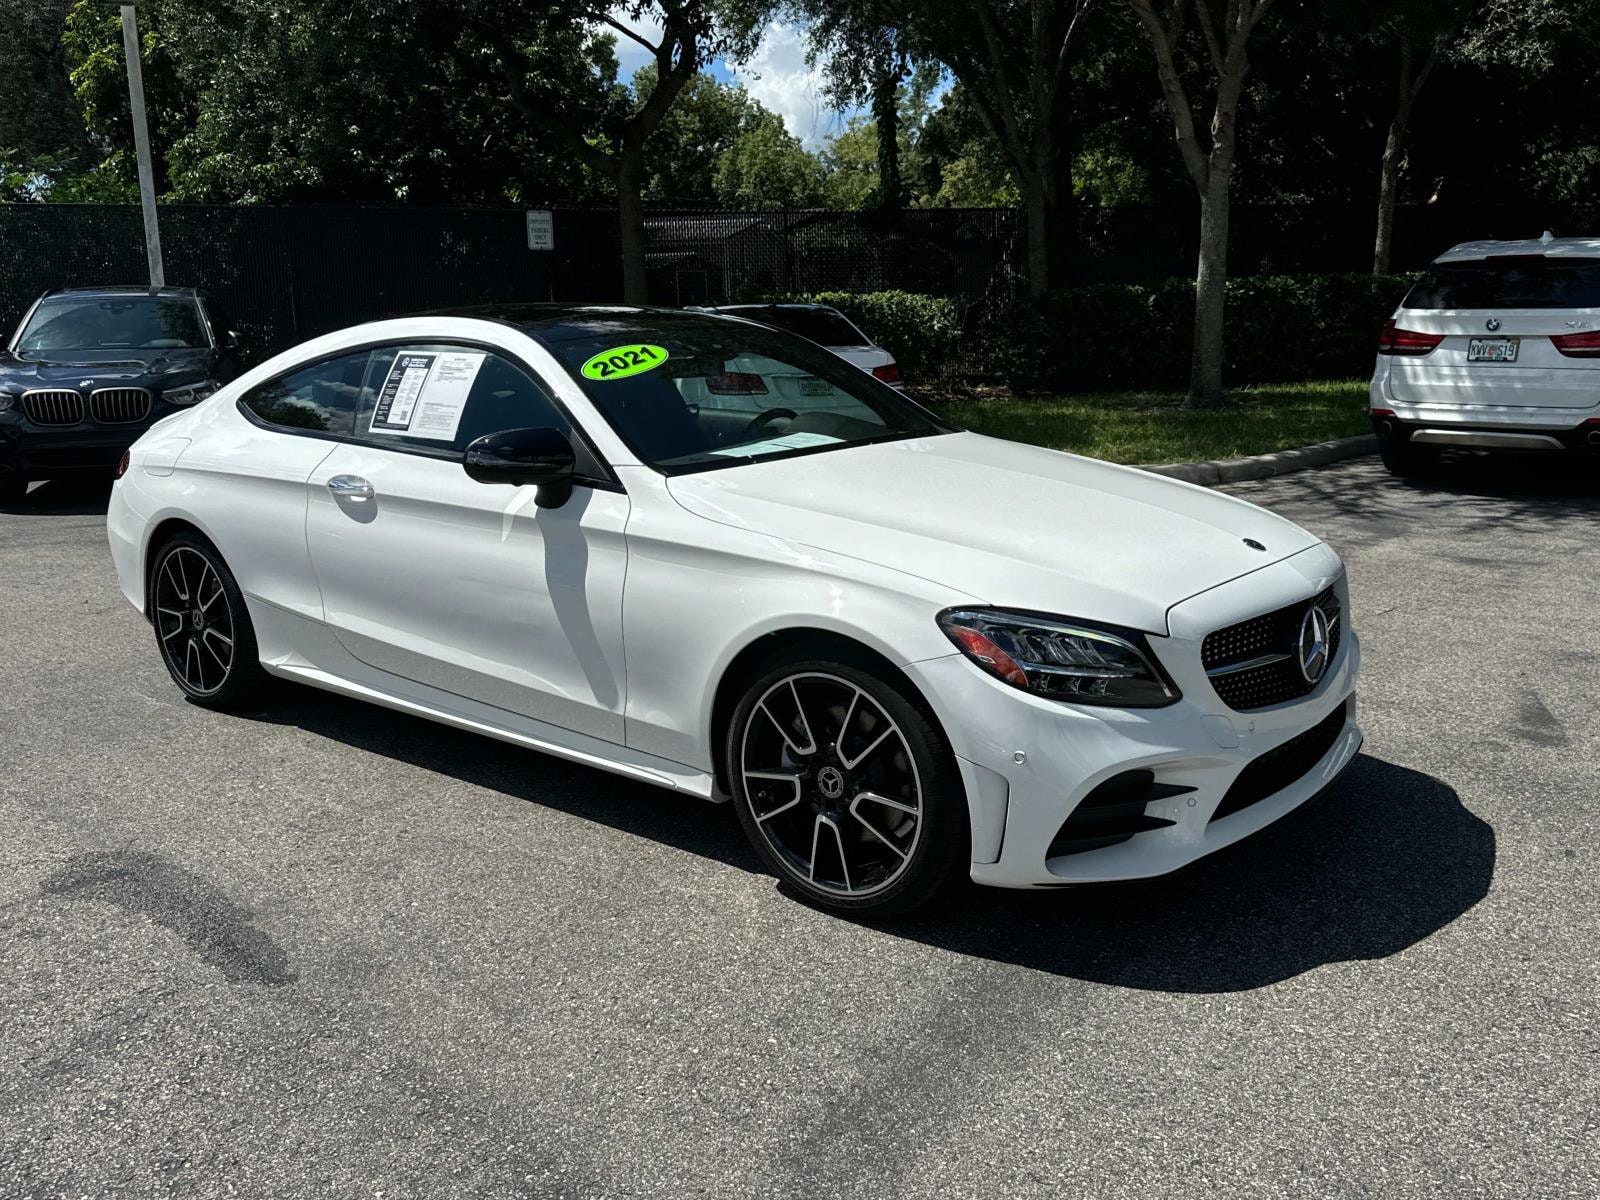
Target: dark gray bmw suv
point(89, 370)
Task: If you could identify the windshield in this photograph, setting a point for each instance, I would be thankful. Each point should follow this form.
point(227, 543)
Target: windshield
point(821, 325)
point(1510, 281)
point(115, 323)
point(694, 395)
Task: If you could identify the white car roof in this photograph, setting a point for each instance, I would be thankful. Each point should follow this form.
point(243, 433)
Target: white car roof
point(1549, 246)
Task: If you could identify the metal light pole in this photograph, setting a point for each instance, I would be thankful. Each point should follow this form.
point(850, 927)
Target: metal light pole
point(141, 145)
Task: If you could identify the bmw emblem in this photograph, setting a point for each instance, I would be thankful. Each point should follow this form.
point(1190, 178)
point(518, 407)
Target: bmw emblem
point(1492, 324)
point(1312, 645)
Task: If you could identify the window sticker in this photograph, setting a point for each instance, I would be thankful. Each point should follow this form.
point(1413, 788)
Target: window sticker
point(788, 441)
point(424, 395)
point(619, 362)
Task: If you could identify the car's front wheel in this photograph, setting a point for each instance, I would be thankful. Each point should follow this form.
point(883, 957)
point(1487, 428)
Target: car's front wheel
point(202, 625)
point(845, 787)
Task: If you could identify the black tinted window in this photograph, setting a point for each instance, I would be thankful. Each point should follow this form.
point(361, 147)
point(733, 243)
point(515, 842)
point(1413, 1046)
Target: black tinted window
point(321, 398)
point(689, 395)
point(113, 323)
point(820, 325)
point(1520, 281)
point(441, 399)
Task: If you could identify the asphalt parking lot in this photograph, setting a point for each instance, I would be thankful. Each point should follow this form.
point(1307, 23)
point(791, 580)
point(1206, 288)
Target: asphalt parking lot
point(326, 950)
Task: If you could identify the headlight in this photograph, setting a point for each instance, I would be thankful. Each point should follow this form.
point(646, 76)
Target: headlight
point(192, 394)
point(1060, 658)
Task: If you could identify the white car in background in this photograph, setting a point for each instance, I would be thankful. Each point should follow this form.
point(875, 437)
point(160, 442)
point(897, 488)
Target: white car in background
point(828, 328)
point(1496, 347)
point(908, 654)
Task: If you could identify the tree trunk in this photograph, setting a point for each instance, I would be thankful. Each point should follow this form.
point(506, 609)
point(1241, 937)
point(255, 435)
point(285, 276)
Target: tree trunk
point(1210, 290)
point(1037, 205)
point(1394, 154)
point(630, 211)
point(886, 114)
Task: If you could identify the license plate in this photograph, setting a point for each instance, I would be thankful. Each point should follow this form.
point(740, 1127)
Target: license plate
point(1493, 349)
point(813, 386)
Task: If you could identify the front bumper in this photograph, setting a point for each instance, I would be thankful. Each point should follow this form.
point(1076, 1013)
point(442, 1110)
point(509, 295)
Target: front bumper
point(1029, 762)
point(29, 451)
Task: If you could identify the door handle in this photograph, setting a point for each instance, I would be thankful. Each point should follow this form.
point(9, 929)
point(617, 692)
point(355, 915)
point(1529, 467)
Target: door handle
point(350, 487)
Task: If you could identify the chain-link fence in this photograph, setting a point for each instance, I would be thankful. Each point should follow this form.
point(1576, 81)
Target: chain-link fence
point(289, 273)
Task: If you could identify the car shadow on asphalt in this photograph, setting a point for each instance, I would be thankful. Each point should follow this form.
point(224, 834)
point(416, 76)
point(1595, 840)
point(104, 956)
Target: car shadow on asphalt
point(63, 498)
point(1384, 858)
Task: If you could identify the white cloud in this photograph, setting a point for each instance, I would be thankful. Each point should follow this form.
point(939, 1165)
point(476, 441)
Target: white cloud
point(778, 76)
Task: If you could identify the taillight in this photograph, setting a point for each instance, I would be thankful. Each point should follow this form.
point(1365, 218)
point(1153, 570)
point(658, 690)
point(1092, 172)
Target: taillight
point(889, 372)
point(1577, 345)
point(122, 464)
point(1394, 340)
point(736, 383)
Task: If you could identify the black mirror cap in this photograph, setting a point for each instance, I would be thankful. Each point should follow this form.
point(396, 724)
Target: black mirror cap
point(517, 457)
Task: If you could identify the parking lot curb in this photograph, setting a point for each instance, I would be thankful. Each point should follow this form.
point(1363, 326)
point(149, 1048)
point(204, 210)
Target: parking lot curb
point(1264, 466)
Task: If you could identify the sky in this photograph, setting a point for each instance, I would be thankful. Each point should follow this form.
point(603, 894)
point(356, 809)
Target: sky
point(777, 76)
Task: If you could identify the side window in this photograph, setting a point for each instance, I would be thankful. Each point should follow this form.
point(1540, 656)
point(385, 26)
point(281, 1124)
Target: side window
point(321, 398)
point(440, 399)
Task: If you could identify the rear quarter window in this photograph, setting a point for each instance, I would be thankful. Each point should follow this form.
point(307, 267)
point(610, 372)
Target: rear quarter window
point(1530, 281)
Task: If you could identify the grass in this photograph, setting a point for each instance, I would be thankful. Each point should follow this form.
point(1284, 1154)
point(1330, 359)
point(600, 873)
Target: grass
point(1154, 427)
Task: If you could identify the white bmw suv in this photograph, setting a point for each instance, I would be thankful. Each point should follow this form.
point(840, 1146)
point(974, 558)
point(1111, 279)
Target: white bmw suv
point(1496, 347)
point(709, 555)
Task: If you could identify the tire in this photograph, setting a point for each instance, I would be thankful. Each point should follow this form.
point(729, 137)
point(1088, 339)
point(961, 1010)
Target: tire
point(878, 823)
point(13, 491)
point(202, 626)
point(1405, 460)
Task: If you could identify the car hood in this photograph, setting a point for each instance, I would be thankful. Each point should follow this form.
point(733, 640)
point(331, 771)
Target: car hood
point(1011, 525)
point(104, 368)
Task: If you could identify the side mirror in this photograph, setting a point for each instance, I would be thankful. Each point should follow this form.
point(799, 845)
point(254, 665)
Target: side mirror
point(522, 456)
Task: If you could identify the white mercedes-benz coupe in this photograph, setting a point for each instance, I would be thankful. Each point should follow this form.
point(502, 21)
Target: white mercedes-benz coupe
point(709, 555)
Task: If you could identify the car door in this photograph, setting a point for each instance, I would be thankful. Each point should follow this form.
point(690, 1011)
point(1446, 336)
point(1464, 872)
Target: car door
point(468, 587)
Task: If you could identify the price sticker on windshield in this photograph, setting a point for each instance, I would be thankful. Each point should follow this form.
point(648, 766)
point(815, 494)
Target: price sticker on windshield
point(619, 362)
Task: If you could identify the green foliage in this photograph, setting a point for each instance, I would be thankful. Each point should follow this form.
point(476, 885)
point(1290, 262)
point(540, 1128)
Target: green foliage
point(922, 332)
point(1138, 335)
point(767, 167)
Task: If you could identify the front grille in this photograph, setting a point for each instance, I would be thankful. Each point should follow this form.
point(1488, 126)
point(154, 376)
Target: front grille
point(53, 406)
point(1255, 664)
point(119, 406)
point(1283, 765)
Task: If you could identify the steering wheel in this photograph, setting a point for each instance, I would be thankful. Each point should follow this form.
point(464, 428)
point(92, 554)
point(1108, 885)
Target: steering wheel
point(769, 414)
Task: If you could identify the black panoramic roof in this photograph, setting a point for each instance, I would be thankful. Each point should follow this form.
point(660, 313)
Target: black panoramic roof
point(122, 289)
point(563, 322)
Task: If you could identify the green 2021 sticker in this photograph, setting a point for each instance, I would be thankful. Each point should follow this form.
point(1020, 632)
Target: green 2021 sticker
point(621, 361)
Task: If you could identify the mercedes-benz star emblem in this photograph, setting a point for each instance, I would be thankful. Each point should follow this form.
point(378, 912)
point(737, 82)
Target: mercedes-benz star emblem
point(1492, 324)
point(1313, 644)
point(830, 782)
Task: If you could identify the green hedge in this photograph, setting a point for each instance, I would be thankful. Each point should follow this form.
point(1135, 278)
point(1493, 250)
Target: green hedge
point(1279, 329)
point(922, 332)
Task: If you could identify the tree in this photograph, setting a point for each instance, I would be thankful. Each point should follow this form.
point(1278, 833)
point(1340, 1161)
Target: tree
point(1014, 60)
point(611, 139)
point(767, 167)
point(1210, 166)
point(1519, 33)
point(864, 59)
point(40, 122)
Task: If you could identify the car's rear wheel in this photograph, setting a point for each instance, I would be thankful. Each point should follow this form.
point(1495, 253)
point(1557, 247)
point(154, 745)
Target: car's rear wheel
point(202, 625)
point(846, 788)
point(1407, 459)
